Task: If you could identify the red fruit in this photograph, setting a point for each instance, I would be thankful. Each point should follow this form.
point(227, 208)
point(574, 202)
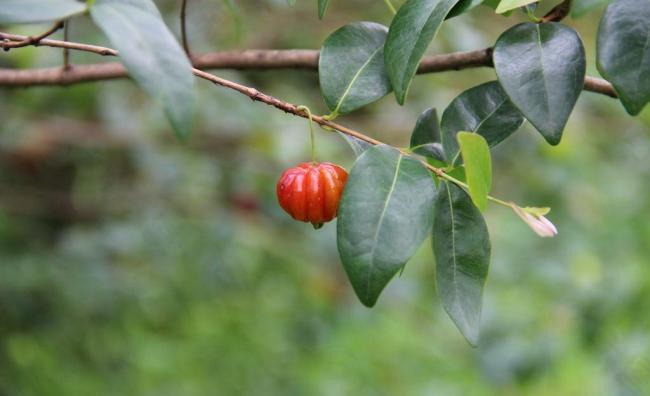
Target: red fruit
point(310, 192)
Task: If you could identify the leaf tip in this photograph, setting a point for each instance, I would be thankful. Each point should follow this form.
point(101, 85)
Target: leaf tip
point(468, 327)
point(368, 301)
point(553, 139)
point(400, 98)
point(632, 109)
point(473, 342)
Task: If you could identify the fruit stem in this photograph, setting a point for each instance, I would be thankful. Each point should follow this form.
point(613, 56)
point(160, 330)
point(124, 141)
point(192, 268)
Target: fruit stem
point(312, 137)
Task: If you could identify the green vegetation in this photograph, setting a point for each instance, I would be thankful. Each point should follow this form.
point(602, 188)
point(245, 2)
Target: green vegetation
point(135, 264)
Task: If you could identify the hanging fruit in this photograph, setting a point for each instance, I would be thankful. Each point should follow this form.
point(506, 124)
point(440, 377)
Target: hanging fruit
point(310, 192)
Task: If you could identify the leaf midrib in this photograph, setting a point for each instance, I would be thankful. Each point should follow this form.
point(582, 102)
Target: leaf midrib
point(408, 72)
point(379, 223)
point(354, 79)
point(541, 61)
point(453, 241)
point(475, 130)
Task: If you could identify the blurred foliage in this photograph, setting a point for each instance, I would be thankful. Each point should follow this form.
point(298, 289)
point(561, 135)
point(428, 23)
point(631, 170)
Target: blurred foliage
point(133, 264)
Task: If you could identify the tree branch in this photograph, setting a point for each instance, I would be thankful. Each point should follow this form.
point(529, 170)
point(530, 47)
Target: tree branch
point(104, 51)
point(258, 96)
point(240, 60)
point(7, 44)
point(110, 70)
point(454, 61)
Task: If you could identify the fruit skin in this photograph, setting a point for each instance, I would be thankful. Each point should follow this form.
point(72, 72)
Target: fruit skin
point(311, 192)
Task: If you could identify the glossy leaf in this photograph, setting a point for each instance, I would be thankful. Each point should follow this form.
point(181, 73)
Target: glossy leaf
point(462, 7)
point(322, 8)
point(478, 167)
point(384, 215)
point(357, 145)
point(351, 67)
point(425, 139)
point(152, 56)
point(509, 5)
point(461, 245)
point(412, 29)
point(34, 11)
point(484, 109)
point(624, 51)
point(542, 69)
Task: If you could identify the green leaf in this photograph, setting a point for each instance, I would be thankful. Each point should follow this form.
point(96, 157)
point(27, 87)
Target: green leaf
point(152, 56)
point(462, 7)
point(508, 5)
point(427, 128)
point(384, 215)
point(357, 145)
point(458, 173)
point(322, 8)
point(425, 139)
point(542, 69)
point(291, 3)
point(624, 51)
point(461, 244)
point(34, 11)
point(478, 167)
point(484, 109)
point(351, 67)
point(412, 29)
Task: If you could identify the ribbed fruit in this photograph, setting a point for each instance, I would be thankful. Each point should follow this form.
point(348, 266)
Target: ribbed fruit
point(310, 192)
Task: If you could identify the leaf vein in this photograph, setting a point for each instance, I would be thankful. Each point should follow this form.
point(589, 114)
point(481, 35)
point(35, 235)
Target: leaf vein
point(380, 222)
point(453, 241)
point(354, 79)
point(475, 130)
point(541, 60)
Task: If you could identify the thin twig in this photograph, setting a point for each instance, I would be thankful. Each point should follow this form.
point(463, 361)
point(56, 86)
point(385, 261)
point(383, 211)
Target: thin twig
point(184, 39)
point(8, 44)
point(66, 51)
point(258, 96)
point(238, 60)
point(299, 111)
point(61, 44)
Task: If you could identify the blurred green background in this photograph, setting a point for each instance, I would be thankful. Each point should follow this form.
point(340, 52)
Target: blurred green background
point(133, 264)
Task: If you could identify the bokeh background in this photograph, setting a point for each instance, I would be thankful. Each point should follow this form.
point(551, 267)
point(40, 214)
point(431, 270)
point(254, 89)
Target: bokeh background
point(134, 264)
